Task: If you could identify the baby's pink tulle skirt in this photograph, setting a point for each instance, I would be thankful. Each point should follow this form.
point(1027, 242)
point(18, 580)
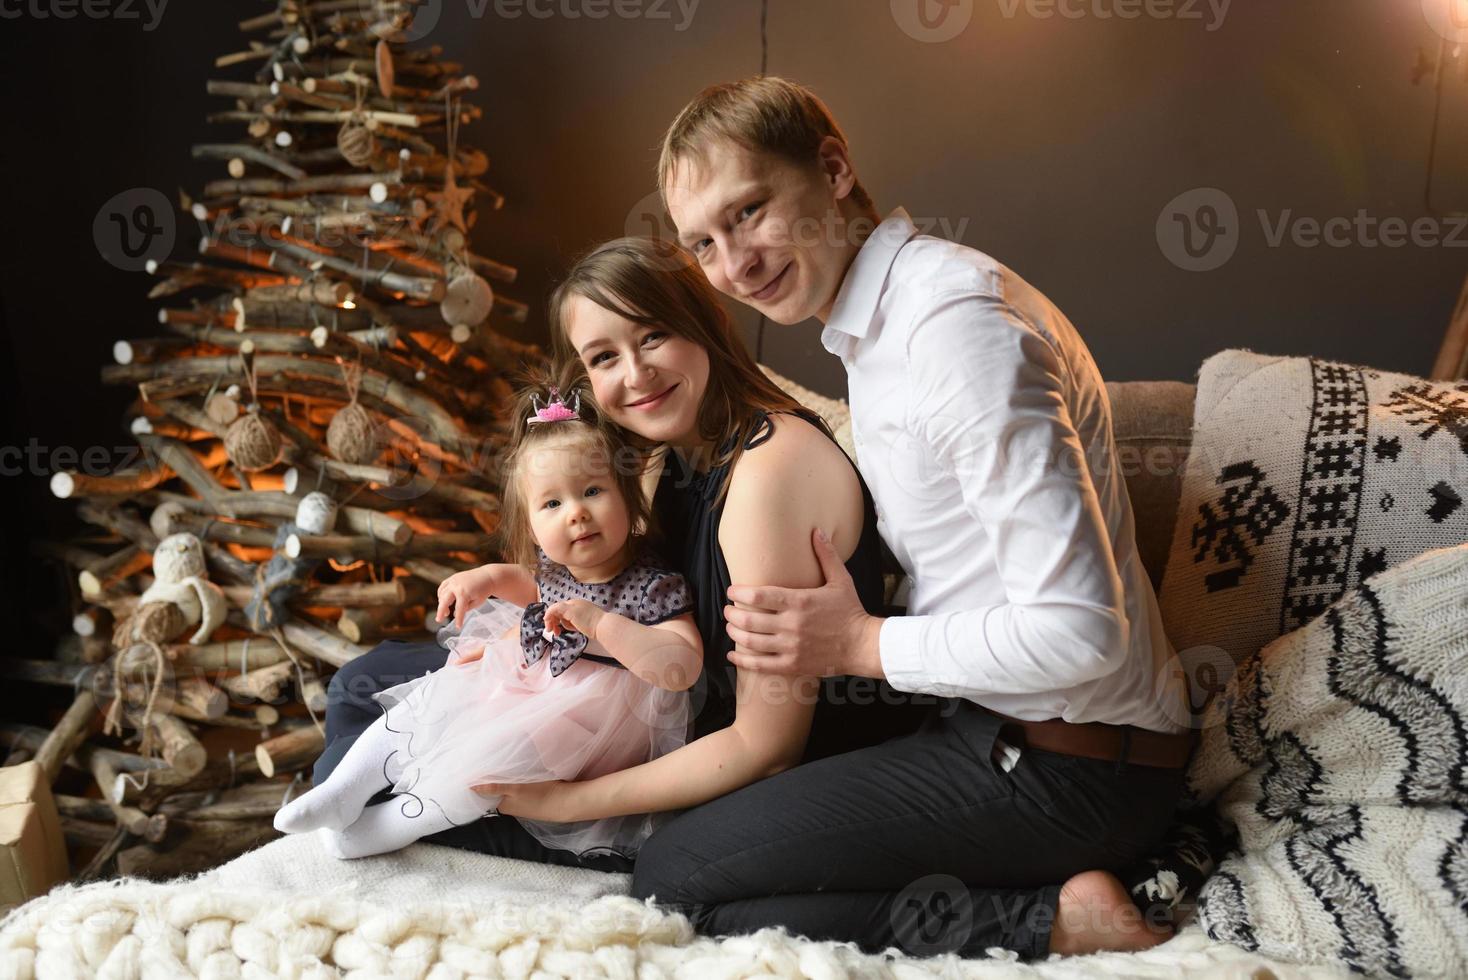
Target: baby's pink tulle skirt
point(494, 720)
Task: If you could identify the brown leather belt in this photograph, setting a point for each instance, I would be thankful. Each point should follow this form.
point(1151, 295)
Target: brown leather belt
point(1098, 740)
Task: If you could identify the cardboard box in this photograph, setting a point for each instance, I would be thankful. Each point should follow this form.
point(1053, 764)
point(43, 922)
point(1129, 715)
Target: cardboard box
point(32, 848)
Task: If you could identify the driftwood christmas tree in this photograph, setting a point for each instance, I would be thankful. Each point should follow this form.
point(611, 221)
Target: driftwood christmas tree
point(318, 419)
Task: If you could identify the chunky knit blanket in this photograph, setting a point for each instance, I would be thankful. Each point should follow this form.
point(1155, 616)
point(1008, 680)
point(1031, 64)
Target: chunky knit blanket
point(289, 910)
point(1340, 752)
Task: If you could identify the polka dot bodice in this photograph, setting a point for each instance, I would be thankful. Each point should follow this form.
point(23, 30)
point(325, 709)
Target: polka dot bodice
point(643, 592)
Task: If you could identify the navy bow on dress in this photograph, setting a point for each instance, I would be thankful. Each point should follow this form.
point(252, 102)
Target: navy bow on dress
point(564, 648)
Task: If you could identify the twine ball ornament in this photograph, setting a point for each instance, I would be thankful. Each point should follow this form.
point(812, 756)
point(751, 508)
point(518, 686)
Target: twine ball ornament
point(355, 141)
point(467, 300)
point(352, 435)
point(252, 442)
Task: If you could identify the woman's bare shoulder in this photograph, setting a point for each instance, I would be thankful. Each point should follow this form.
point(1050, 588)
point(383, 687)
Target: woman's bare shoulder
point(797, 463)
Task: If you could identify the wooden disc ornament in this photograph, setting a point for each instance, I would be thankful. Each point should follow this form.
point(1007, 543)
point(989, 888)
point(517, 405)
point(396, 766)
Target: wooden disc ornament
point(222, 407)
point(384, 68)
point(467, 300)
point(352, 434)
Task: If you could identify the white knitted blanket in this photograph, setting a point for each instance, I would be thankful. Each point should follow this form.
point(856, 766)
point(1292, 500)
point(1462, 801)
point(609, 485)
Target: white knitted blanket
point(1340, 751)
point(288, 910)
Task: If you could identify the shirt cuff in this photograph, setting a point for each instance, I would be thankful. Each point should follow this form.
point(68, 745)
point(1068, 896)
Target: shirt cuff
point(900, 645)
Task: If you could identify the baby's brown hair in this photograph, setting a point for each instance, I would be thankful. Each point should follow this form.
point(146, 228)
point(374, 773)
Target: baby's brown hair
point(590, 431)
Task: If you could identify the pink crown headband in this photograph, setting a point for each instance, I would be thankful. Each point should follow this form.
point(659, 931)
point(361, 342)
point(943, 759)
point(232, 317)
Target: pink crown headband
point(555, 409)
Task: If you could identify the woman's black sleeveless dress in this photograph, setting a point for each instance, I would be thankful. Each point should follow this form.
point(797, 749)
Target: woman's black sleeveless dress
point(853, 712)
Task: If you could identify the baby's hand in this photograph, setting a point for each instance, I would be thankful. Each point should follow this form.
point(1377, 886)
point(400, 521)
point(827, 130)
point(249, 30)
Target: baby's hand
point(462, 592)
point(576, 614)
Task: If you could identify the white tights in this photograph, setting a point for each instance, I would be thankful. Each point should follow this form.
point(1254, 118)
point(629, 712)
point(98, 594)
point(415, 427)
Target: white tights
point(338, 807)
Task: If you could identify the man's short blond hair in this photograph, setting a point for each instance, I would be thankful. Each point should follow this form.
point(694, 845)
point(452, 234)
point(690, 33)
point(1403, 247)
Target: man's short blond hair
point(765, 114)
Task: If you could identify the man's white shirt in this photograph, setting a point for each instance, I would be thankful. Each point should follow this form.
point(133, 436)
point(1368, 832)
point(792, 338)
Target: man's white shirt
point(983, 429)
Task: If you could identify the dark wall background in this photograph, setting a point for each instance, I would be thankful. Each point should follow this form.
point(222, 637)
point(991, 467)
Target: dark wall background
point(1054, 144)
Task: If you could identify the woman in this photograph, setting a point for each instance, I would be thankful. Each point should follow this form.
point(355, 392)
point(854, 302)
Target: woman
point(747, 476)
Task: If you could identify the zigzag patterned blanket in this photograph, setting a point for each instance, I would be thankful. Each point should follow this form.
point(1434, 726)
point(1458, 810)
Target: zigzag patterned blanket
point(1340, 751)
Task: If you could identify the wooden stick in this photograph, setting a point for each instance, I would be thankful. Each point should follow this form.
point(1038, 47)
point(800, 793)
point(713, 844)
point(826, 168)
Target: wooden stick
point(357, 595)
point(293, 750)
point(244, 655)
point(364, 625)
point(313, 693)
point(179, 276)
point(119, 521)
point(92, 621)
point(135, 821)
point(31, 738)
point(106, 572)
point(66, 484)
point(196, 699)
point(1452, 356)
point(68, 735)
point(104, 856)
point(252, 801)
point(345, 547)
point(181, 749)
point(246, 152)
point(430, 571)
point(418, 287)
point(446, 430)
point(67, 554)
point(263, 684)
point(321, 644)
point(208, 529)
point(182, 461)
point(146, 350)
point(85, 833)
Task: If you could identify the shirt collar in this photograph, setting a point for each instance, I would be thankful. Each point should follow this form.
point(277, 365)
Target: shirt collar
point(856, 301)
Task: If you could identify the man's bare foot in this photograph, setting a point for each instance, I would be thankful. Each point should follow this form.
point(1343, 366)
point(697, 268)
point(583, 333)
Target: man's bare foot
point(1095, 914)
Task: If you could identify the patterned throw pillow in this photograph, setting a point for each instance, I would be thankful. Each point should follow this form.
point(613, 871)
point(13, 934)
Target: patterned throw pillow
point(1340, 752)
point(1305, 477)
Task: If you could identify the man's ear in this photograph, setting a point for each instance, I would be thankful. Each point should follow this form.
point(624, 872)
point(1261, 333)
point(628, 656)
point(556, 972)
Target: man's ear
point(836, 167)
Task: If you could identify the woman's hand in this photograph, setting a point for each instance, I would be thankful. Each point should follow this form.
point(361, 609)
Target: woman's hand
point(556, 800)
point(463, 591)
point(576, 614)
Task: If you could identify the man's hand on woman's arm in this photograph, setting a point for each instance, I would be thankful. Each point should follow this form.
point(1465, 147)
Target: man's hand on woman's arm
point(816, 632)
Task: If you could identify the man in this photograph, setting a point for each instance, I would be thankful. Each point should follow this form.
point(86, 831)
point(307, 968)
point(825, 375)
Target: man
point(983, 430)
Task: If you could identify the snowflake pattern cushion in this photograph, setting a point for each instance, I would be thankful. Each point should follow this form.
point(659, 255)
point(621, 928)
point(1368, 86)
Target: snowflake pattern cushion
point(1305, 477)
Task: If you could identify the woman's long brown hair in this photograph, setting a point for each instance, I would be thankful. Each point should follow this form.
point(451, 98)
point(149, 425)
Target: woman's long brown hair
point(658, 283)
